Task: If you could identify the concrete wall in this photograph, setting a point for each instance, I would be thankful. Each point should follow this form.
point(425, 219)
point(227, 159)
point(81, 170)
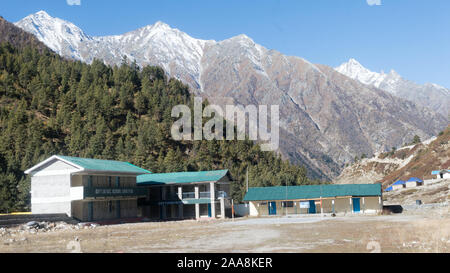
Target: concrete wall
point(50, 194)
point(342, 205)
point(372, 205)
point(411, 184)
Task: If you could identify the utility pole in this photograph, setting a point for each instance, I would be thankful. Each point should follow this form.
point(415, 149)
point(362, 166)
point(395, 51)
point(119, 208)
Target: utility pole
point(285, 202)
point(246, 178)
point(232, 209)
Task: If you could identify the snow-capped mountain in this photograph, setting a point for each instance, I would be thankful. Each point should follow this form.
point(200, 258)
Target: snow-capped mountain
point(61, 36)
point(156, 44)
point(429, 95)
point(326, 118)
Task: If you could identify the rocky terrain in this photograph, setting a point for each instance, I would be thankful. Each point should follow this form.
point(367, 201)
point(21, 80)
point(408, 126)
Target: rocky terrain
point(432, 194)
point(409, 161)
point(326, 118)
point(10, 34)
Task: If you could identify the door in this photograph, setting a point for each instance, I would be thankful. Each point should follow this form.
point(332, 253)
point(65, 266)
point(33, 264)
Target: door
point(272, 208)
point(312, 206)
point(209, 209)
point(356, 205)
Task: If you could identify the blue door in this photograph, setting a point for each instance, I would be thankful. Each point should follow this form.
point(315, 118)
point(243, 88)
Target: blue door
point(312, 206)
point(272, 208)
point(209, 209)
point(356, 206)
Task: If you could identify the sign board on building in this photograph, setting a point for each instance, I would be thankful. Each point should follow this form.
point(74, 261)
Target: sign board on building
point(304, 205)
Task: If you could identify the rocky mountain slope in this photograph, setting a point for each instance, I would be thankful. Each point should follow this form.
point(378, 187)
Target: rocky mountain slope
point(409, 161)
point(428, 95)
point(17, 37)
point(326, 118)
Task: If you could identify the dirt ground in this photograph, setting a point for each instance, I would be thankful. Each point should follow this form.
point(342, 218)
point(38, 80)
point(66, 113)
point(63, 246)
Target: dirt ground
point(415, 231)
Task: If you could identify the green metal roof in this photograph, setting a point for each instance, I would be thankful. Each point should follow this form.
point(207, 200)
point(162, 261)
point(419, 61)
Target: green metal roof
point(180, 177)
point(90, 164)
point(311, 192)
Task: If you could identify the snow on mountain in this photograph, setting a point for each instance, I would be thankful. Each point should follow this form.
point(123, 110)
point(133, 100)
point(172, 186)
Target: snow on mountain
point(61, 36)
point(428, 95)
point(157, 44)
point(326, 118)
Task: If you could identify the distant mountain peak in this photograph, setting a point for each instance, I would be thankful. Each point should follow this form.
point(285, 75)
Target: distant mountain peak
point(42, 13)
point(429, 95)
point(160, 24)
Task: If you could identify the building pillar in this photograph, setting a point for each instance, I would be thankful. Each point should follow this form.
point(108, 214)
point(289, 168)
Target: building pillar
point(180, 206)
point(321, 206)
point(351, 207)
point(363, 205)
point(222, 207)
point(197, 206)
point(212, 193)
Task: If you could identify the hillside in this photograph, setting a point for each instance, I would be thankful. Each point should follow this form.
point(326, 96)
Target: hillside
point(50, 105)
point(326, 118)
point(416, 160)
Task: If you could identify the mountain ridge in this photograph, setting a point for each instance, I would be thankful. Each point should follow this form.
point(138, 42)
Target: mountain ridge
point(326, 118)
point(428, 95)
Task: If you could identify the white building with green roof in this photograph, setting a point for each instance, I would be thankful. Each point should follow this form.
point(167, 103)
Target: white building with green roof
point(84, 188)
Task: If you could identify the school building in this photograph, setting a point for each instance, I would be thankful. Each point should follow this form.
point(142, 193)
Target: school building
point(93, 189)
point(186, 195)
point(84, 188)
point(312, 199)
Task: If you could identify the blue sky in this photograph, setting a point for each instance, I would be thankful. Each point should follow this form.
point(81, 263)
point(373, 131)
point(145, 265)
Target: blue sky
point(410, 36)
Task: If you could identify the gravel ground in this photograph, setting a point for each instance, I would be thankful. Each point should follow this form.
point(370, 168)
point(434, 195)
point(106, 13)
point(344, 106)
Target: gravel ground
point(422, 231)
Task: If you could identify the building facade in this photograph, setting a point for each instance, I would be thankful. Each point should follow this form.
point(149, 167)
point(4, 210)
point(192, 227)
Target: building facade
point(185, 195)
point(313, 199)
point(441, 174)
point(413, 182)
point(85, 189)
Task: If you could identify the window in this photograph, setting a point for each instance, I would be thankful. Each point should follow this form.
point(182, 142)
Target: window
point(287, 204)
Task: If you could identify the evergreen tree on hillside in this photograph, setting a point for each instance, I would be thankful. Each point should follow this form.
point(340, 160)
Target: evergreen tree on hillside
point(49, 105)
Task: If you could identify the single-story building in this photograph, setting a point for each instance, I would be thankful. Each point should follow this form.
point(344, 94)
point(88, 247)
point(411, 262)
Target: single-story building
point(441, 174)
point(311, 199)
point(413, 182)
point(388, 189)
point(400, 184)
point(84, 188)
point(183, 195)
